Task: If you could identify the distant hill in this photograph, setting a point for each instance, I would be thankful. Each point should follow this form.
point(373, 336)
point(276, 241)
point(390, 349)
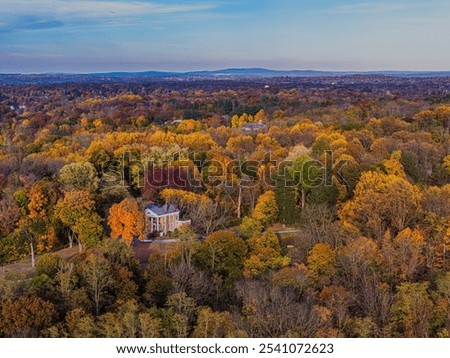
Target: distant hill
point(264, 72)
point(259, 72)
point(229, 73)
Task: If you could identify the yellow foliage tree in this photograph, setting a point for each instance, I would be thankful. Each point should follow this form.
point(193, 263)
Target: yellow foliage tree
point(240, 145)
point(182, 199)
point(189, 126)
point(266, 209)
point(265, 254)
point(260, 116)
point(393, 165)
point(239, 121)
point(381, 202)
point(235, 121)
point(446, 165)
point(212, 324)
point(322, 260)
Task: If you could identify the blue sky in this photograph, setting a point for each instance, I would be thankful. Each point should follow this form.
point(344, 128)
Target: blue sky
point(109, 35)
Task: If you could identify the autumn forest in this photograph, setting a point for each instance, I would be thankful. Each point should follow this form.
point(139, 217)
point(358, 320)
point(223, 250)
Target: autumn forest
point(318, 207)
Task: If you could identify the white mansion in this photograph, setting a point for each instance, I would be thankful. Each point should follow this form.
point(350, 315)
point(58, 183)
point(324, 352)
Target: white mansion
point(162, 219)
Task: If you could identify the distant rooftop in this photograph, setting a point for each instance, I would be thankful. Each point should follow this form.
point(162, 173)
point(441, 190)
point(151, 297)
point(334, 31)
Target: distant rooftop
point(254, 126)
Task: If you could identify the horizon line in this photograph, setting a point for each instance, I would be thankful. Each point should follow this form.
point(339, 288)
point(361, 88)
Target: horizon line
point(181, 72)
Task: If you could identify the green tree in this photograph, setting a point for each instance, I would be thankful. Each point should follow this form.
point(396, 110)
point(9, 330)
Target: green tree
point(79, 176)
point(183, 305)
point(212, 324)
point(158, 282)
point(150, 326)
point(412, 310)
point(79, 324)
point(286, 201)
point(250, 227)
point(124, 323)
point(313, 180)
point(30, 232)
point(222, 254)
point(96, 279)
point(77, 211)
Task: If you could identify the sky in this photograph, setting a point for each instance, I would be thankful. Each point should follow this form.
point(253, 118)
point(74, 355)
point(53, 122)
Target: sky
point(172, 35)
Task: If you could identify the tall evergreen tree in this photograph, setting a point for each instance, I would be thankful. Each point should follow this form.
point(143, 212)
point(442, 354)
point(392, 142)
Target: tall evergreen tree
point(288, 209)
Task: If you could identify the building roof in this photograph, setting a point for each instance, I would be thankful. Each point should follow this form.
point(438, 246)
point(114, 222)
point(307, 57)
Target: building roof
point(162, 209)
point(254, 126)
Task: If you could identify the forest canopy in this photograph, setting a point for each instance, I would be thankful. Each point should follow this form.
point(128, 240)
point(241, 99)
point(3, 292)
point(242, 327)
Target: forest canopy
point(318, 208)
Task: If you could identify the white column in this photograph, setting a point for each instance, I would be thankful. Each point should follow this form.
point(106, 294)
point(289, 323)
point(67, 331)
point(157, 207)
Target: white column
point(157, 224)
point(151, 227)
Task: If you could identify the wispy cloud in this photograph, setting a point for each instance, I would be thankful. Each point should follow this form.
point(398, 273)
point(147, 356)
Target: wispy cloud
point(44, 14)
point(29, 23)
point(373, 8)
point(94, 8)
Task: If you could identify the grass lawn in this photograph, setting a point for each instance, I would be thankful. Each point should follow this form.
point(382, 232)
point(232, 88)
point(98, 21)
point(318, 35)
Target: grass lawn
point(24, 266)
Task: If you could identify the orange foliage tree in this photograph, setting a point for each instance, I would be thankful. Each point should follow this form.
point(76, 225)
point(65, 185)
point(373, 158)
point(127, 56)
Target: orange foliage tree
point(126, 220)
